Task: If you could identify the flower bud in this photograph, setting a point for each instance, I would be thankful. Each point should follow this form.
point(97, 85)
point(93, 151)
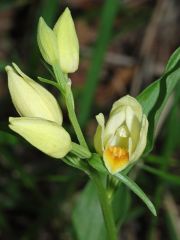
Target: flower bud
point(67, 41)
point(47, 42)
point(123, 139)
point(30, 98)
point(47, 136)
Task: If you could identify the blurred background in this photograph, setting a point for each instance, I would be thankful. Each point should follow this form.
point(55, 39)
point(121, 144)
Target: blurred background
point(124, 46)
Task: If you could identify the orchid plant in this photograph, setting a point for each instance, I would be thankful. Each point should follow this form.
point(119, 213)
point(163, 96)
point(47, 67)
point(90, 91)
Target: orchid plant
point(119, 144)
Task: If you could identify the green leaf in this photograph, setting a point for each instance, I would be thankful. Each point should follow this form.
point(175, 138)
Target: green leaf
point(164, 175)
point(154, 159)
point(155, 96)
point(158, 90)
point(174, 60)
point(87, 216)
point(137, 190)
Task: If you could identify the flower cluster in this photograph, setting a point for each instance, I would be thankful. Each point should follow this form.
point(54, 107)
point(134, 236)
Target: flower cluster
point(41, 117)
point(121, 142)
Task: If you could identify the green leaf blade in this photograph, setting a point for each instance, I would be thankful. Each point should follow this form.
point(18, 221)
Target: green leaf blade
point(137, 190)
point(173, 60)
point(87, 216)
point(172, 179)
point(153, 99)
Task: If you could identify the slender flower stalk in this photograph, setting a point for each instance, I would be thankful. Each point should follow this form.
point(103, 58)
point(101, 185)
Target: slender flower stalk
point(67, 93)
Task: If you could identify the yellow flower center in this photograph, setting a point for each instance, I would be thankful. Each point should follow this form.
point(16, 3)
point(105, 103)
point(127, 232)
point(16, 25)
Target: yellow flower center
point(116, 156)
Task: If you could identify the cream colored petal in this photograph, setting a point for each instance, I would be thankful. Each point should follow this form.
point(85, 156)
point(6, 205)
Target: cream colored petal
point(47, 136)
point(127, 101)
point(142, 140)
point(47, 42)
point(99, 135)
point(120, 138)
point(114, 122)
point(68, 45)
point(130, 147)
point(133, 125)
point(30, 98)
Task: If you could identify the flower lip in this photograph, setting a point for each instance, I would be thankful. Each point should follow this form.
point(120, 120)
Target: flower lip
point(116, 158)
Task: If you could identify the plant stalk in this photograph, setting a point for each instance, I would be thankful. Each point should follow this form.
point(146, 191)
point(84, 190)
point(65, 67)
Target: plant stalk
point(67, 94)
point(105, 206)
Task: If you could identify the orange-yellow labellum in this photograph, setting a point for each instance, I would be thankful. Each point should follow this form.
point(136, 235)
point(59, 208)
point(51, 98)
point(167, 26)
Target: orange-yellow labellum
point(117, 157)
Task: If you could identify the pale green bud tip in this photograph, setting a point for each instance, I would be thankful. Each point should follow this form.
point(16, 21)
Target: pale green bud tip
point(47, 136)
point(67, 12)
point(67, 41)
point(47, 42)
point(8, 68)
point(123, 139)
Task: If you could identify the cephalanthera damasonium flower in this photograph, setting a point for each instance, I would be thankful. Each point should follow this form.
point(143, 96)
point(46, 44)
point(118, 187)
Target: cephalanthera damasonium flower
point(61, 43)
point(123, 139)
point(47, 136)
point(67, 41)
point(41, 117)
point(30, 98)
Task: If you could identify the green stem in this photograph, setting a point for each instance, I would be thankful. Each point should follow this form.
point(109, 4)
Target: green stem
point(67, 94)
point(73, 119)
point(105, 206)
point(59, 76)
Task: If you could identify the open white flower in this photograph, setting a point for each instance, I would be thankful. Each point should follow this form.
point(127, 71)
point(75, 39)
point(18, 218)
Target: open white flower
point(123, 139)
